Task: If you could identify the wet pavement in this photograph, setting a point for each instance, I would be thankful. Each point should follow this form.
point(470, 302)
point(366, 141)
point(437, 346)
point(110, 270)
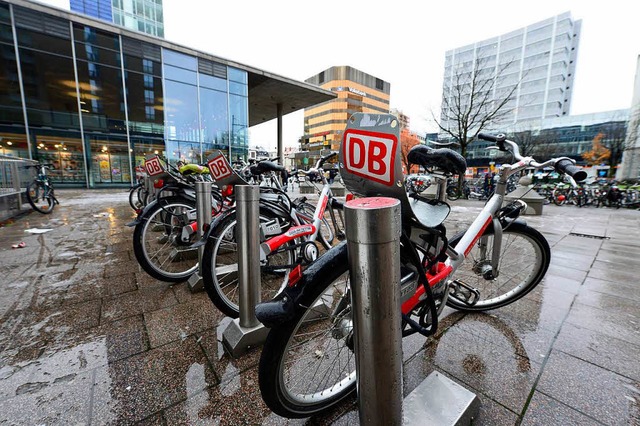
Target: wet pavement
point(87, 337)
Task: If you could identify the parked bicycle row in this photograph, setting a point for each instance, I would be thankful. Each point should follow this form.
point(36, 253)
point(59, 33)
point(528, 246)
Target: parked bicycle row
point(597, 194)
point(307, 363)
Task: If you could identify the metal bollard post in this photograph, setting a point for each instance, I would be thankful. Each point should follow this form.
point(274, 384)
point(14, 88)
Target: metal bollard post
point(373, 228)
point(203, 216)
point(246, 331)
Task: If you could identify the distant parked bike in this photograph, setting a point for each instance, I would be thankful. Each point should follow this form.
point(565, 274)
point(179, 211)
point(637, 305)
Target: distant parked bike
point(40, 192)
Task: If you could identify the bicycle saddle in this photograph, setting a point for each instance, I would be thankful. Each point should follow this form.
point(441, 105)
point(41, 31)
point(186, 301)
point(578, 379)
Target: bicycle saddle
point(266, 166)
point(442, 158)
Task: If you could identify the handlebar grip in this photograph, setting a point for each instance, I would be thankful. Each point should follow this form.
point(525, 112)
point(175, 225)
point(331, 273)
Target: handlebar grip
point(326, 157)
point(500, 137)
point(567, 166)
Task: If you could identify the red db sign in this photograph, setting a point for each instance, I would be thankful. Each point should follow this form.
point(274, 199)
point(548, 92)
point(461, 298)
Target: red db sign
point(153, 166)
point(219, 167)
point(370, 155)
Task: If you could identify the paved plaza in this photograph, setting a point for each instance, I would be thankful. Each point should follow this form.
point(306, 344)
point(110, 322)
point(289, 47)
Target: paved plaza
point(87, 337)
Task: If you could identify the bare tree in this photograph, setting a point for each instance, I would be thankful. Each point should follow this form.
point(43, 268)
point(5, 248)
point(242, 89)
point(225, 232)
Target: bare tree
point(471, 102)
point(615, 136)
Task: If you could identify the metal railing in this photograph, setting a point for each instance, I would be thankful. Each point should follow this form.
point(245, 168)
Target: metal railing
point(14, 177)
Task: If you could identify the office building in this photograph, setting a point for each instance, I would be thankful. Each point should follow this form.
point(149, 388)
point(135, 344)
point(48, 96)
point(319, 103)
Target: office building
point(569, 136)
point(534, 65)
point(630, 167)
point(356, 91)
point(94, 99)
point(140, 15)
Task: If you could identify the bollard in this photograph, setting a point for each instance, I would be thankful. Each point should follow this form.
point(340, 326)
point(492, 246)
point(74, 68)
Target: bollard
point(246, 331)
point(373, 228)
point(203, 217)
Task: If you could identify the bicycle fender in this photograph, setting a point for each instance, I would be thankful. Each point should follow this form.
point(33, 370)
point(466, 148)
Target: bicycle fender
point(142, 214)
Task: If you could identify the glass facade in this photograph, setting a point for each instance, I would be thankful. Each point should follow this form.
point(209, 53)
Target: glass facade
point(95, 103)
point(97, 8)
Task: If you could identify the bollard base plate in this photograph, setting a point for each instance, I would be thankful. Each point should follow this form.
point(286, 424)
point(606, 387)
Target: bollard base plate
point(195, 283)
point(237, 339)
point(439, 400)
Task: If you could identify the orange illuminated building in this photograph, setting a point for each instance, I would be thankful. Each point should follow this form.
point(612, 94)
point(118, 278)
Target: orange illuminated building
point(357, 92)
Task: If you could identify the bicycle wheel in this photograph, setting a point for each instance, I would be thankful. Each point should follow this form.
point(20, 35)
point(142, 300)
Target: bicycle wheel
point(40, 197)
point(157, 241)
point(220, 267)
point(325, 233)
point(524, 259)
point(452, 192)
point(308, 364)
point(135, 200)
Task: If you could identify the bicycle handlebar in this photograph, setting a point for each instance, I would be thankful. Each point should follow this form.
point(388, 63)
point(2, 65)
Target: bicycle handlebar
point(562, 164)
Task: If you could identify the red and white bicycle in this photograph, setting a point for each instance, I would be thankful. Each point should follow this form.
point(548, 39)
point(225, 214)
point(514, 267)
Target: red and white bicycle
point(308, 361)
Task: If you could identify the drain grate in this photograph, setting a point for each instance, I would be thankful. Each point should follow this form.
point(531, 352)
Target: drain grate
point(597, 237)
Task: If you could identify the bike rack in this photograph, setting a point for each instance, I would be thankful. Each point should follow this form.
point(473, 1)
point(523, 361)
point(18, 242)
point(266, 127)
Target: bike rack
point(203, 217)
point(246, 331)
point(373, 227)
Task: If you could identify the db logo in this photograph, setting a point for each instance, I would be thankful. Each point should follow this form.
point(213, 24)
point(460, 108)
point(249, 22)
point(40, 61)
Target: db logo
point(219, 167)
point(370, 155)
point(153, 166)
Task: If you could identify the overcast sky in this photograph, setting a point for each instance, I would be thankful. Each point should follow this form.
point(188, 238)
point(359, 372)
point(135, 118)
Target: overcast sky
point(402, 42)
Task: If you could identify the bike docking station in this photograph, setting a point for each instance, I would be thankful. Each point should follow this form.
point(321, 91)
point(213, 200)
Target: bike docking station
point(203, 218)
point(373, 226)
point(246, 331)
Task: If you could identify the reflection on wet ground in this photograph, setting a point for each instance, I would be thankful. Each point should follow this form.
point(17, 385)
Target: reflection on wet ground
point(87, 337)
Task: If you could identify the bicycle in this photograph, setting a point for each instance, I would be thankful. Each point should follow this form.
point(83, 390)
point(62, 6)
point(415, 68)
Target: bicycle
point(40, 193)
point(307, 363)
point(290, 230)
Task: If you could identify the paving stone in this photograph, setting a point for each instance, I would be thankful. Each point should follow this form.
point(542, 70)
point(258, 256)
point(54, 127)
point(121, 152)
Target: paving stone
point(591, 390)
point(544, 410)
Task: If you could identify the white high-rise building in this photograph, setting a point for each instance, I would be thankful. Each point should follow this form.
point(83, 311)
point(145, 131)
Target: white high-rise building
point(535, 64)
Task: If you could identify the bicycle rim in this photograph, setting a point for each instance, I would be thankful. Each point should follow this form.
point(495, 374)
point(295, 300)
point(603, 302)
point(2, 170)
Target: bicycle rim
point(524, 259)
point(161, 244)
point(224, 267)
point(40, 197)
point(318, 364)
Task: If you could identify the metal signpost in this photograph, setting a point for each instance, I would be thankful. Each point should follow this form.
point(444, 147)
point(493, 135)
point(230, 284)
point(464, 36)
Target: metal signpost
point(203, 216)
point(246, 331)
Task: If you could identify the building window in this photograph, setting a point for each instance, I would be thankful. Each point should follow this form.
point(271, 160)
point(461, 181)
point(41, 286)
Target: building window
point(379, 84)
point(321, 78)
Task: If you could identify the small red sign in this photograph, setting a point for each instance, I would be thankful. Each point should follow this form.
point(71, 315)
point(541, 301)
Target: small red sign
point(370, 155)
point(153, 166)
point(219, 167)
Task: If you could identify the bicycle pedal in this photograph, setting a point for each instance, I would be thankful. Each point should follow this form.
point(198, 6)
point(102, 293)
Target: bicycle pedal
point(463, 293)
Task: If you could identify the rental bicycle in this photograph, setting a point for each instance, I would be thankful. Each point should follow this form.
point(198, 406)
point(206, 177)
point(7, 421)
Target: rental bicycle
point(307, 363)
point(40, 193)
point(291, 229)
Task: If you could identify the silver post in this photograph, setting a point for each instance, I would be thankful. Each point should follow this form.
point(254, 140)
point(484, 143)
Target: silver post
point(248, 238)
point(246, 332)
point(373, 228)
point(203, 217)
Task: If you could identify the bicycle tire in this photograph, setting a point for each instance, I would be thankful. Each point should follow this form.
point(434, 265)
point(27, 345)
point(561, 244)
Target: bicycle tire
point(166, 218)
point(220, 267)
point(531, 255)
point(40, 197)
point(315, 348)
point(134, 197)
point(453, 193)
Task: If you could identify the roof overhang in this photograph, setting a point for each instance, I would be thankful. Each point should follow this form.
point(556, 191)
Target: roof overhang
point(266, 91)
